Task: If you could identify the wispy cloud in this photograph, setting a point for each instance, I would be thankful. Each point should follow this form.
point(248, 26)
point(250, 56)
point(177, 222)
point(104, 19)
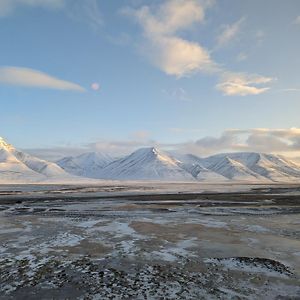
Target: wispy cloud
point(233, 84)
point(32, 78)
point(297, 20)
point(229, 32)
point(288, 90)
point(241, 57)
point(177, 94)
point(141, 135)
point(178, 130)
point(8, 6)
point(259, 36)
point(87, 11)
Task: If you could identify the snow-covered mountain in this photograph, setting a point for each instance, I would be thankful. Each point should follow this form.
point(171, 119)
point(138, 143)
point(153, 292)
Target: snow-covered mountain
point(147, 164)
point(252, 166)
point(16, 166)
point(87, 165)
point(193, 164)
point(231, 169)
point(154, 164)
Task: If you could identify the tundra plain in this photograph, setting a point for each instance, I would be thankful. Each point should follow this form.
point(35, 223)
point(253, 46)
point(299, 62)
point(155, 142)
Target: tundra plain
point(150, 241)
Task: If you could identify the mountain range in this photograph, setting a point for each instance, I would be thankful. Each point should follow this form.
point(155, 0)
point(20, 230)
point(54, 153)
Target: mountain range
point(154, 164)
point(148, 164)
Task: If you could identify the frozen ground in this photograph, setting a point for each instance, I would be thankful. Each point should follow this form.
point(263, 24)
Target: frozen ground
point(94, 243)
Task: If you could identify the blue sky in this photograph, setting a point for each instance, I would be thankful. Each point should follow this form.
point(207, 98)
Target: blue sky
point(199, 76)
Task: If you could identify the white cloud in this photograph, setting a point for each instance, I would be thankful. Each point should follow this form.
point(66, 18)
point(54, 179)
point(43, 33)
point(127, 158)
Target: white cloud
point(165, 48)
point(229, 32)
point(179, 57)
point(8, 6)
point(163, 45)
point(239, 84)
point(171, 17)
point(33, 78)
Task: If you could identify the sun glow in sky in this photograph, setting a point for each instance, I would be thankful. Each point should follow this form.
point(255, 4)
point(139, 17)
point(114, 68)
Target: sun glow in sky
point(201, 76)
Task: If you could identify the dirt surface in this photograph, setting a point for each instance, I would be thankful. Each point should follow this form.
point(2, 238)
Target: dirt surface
point(72, 243)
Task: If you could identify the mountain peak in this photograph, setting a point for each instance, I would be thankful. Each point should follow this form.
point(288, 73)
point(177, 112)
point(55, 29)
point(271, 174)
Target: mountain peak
point(153, 153)
point(147, 163)
point(149, 150)
point(88, 164)
point(5, 145)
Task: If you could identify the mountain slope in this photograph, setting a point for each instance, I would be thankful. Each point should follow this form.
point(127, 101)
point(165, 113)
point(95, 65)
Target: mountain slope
point(147, 164)
point(274, 167)
point(253, 166)
point(233, 170)
point(193, 164)
point(16, 166)
point(86, 165)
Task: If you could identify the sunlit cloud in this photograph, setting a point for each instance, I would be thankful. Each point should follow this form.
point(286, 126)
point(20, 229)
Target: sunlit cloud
point(280, 141)
point(164, 46)
point(239, 84)
point(32, 78)
point(166, 49)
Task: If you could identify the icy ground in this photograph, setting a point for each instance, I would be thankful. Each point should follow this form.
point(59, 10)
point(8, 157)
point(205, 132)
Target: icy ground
point(172, 246)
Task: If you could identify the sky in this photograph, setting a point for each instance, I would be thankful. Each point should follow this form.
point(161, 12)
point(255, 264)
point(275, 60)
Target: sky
point(197, 76)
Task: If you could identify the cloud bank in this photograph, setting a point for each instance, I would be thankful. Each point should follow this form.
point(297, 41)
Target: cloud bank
point(277, 141)
point(282, 141)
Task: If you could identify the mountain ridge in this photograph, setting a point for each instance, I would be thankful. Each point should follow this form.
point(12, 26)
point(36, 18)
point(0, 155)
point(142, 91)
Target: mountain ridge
point(150, 163)
point(17, 166)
